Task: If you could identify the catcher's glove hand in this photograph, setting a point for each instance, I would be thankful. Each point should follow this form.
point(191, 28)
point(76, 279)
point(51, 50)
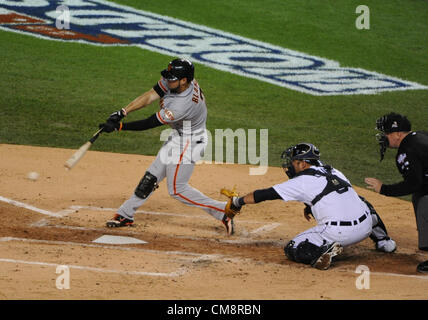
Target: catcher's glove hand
point(231, 209)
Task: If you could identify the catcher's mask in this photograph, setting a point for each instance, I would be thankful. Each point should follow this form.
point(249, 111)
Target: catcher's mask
point(391, 122)
point(303, 151)
point(178, 69)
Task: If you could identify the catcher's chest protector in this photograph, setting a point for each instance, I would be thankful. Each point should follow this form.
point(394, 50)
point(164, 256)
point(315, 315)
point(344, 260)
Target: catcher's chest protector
point(334, 183)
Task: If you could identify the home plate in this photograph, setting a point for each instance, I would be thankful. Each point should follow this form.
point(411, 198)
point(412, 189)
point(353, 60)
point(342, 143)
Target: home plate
point(118, 240)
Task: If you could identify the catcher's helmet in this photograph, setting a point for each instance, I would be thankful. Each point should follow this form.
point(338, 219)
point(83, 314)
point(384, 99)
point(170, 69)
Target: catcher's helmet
point(302, 151)
point(391, 122)
point(178, 69)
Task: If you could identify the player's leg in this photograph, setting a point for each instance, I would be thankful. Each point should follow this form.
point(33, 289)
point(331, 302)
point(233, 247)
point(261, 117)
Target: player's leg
point(379, 233)
point(314, 246)
point(179, 188)
point(420, 203)
point(148, 183)
point(178, 175)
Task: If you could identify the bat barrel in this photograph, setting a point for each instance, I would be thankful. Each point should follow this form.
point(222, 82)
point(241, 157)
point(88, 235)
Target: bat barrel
point(70, 163)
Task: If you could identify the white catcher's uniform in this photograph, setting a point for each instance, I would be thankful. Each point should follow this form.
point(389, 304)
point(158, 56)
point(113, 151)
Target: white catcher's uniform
point(186, 113)
point(341, 218)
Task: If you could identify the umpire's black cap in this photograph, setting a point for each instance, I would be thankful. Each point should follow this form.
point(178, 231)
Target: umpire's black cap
point(393, 122)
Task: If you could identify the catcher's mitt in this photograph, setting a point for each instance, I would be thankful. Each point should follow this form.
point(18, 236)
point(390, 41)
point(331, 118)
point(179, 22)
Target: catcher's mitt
point(231, 210)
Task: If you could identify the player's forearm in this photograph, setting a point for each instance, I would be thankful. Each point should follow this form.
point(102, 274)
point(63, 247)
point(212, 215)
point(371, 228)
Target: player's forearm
point(247, 199)
point(142, 101)
point(258, 196)
point(136, 104)
point(145, 124)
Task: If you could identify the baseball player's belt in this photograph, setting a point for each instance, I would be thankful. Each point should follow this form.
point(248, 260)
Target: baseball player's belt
point(348, 223)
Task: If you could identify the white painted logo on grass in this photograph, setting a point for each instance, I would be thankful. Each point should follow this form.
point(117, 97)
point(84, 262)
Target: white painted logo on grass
point(105, 23)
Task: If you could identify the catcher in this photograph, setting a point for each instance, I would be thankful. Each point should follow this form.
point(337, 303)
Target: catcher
point(343, 217)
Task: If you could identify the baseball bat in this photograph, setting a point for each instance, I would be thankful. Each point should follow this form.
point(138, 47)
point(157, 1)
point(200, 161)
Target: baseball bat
point(70, 163)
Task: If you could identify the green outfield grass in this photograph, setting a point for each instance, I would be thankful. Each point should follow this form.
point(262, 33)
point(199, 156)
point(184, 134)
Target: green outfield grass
point(55, 93)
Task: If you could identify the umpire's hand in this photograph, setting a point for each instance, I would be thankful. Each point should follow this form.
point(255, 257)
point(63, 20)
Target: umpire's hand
point(373, 184)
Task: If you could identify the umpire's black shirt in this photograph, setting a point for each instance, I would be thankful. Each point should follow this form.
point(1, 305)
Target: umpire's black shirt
point(412, 162)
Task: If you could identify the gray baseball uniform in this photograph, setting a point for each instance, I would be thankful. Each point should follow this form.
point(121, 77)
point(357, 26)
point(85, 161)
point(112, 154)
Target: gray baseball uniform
point(186, 113)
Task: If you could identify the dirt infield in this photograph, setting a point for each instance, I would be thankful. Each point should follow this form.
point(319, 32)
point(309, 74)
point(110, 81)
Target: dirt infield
point(54, 221)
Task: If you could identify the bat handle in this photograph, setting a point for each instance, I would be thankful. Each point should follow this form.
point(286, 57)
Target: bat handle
point(96, 135)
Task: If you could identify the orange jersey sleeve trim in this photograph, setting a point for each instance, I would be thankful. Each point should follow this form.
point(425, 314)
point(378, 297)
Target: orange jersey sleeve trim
point(160, 118)
point(162, 86)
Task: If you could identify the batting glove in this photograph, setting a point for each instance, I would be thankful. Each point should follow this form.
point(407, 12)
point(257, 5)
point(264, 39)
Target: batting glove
point(117, 116)
point(111, 126)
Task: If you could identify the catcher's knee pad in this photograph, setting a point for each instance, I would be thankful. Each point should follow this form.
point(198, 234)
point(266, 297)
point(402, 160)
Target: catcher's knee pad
point(306, 252)
point(379, 231)
point(147, 184)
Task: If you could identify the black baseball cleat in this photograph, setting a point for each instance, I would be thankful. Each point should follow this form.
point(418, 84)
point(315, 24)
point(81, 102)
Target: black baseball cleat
point(324, 261)
point(422, 267)
point(119, 221)
point(229, 225)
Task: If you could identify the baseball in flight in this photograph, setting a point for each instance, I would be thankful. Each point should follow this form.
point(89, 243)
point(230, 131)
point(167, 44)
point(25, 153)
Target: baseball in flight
point(33, 175)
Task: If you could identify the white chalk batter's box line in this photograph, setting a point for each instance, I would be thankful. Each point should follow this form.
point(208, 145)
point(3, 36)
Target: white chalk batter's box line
point(73, 209)
point(181, 271)
point(76, 208)
point(274, 242)
point(177, 273)
point(193, 257)
point(186, 255)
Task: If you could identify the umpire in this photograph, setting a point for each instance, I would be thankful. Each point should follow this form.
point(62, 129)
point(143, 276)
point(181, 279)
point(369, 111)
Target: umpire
point(412, 162)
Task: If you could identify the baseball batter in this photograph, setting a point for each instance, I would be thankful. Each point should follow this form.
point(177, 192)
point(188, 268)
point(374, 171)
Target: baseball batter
point(343, 217)
point(183, 107)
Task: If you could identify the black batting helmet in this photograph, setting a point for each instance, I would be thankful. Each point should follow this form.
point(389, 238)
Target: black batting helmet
point(178, 69)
